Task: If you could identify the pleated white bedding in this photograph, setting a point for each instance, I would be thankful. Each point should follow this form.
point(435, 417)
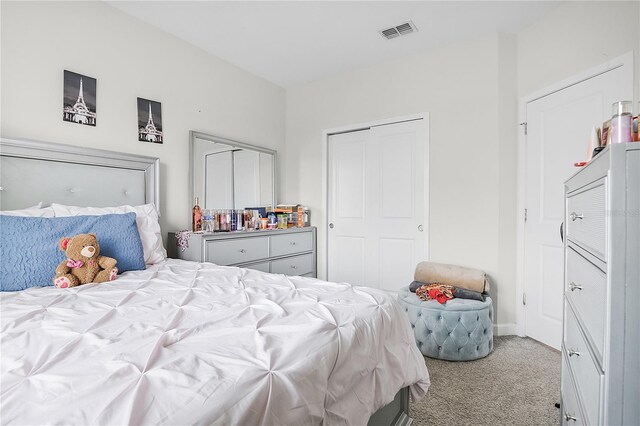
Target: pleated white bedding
point(189, 343)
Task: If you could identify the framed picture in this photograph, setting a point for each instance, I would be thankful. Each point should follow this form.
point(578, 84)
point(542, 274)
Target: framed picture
point(79, 99)
point(149, 121)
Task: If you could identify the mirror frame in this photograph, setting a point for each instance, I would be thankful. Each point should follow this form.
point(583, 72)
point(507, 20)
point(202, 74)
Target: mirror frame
point(193, 135)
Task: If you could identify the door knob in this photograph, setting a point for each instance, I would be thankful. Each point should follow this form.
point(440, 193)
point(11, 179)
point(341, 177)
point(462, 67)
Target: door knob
point(574, 216)
point(331, 225)
point(568, 417)
point(420, 228)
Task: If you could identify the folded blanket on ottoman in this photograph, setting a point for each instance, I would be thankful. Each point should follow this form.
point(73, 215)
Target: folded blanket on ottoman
point(471, 279)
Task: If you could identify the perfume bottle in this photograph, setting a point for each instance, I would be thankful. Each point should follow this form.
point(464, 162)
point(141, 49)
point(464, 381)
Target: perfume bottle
point(234, 220)
point(207, 220)
point(196, 217)
point(621, 122)
point(222, 217)
point(216, 221)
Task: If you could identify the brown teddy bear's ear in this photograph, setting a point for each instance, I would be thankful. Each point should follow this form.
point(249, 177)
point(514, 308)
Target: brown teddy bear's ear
point(94, 236)
point(63, 243)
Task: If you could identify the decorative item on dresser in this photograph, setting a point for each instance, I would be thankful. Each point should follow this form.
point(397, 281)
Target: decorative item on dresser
point(288, 251)
point(601, 344)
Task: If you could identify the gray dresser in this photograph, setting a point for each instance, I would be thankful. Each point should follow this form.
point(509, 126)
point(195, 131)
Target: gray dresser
point(600, 381)
point(288, 251)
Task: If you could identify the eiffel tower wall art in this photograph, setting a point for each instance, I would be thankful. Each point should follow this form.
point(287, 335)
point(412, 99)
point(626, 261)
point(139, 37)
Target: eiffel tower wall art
point(149, 121)
point(79, 99)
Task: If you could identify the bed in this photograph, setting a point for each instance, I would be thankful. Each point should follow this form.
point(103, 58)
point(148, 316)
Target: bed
point(189, 343)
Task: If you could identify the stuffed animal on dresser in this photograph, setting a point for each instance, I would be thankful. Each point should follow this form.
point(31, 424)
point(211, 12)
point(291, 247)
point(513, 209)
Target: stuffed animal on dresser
point(84, 263)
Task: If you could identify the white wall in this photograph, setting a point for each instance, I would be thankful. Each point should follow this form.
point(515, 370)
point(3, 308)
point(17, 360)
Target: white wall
point(507, 152)
point(129, 59)
point(459, 87)
point(574, 37)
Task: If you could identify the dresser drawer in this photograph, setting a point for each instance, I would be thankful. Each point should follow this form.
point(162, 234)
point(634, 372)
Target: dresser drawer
point(281, 245)
point(239, 250)
point(586, 222)
point(587, 290)
point(294, 265)
point(585, 372)
point(571, 414)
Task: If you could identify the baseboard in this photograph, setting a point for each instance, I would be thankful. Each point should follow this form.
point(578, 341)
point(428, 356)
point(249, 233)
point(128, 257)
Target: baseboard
point(505, 329)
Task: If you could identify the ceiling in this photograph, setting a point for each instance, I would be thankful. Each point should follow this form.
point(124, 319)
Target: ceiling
point(293, 42)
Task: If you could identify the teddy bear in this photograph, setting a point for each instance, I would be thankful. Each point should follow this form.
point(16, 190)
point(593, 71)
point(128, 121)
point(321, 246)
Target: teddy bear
point(84, 263)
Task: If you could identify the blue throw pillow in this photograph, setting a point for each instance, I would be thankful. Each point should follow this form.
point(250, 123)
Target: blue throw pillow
point(29, 253)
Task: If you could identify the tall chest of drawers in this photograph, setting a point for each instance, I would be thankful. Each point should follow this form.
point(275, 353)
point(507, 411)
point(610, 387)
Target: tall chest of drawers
point(600, 381)
point(288, 251)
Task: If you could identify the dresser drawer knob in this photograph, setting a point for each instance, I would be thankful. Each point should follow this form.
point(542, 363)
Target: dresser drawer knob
point(293, 243)
point(243, 251)
point(568, 417)
point(294, 267)
point(573, 352)
point(575, 216)
point(574, 286)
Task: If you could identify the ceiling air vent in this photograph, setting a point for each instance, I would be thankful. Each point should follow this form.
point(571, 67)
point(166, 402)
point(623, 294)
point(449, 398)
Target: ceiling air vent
point(402, 29)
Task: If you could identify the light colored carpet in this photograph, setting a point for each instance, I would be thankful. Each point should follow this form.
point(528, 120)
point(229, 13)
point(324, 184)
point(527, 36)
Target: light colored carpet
point(517, 384)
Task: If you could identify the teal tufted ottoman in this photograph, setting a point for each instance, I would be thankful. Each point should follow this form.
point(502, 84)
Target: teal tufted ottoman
point(459, 330)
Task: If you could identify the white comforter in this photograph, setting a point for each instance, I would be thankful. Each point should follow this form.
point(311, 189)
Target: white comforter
point(189, 343)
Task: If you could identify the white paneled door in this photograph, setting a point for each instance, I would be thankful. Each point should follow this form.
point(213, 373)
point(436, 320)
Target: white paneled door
point(377, 204)
point(558, 131)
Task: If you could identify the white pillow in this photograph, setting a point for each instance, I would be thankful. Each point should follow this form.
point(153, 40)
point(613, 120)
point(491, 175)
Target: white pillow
point(34, 211)
point(146, 220)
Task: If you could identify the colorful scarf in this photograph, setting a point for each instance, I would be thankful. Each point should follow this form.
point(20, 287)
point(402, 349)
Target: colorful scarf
point(438, 292)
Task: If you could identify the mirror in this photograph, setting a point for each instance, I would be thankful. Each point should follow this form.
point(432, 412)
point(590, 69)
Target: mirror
point(226, 174)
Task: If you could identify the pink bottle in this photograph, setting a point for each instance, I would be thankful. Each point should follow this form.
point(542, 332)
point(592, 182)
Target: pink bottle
point(621, 122)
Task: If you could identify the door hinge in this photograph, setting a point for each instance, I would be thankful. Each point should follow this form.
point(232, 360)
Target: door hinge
point(524, 299)
point(525, 215)
point(524, 123)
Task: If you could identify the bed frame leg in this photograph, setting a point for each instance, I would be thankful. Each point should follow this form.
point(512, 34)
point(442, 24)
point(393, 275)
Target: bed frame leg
point(396, 413)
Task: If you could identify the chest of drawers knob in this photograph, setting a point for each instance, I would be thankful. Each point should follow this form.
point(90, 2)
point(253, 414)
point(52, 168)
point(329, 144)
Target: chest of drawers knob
point(294, 267)
point(243, 251)
point(573, 352)
point(574, 286)
point(575, 216)
point(568, 417)
point(293, 243)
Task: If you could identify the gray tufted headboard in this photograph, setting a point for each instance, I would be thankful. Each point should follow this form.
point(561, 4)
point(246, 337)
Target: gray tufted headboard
point(31, 172)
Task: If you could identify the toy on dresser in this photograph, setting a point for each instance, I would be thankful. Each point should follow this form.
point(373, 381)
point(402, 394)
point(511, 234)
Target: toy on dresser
point(84, 264)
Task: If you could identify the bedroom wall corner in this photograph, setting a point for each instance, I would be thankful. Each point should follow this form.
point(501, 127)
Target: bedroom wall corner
point(129, 59)
point(507, 161)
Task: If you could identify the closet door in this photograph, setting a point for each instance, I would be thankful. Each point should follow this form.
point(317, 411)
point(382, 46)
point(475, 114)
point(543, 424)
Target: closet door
point(377, 205)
